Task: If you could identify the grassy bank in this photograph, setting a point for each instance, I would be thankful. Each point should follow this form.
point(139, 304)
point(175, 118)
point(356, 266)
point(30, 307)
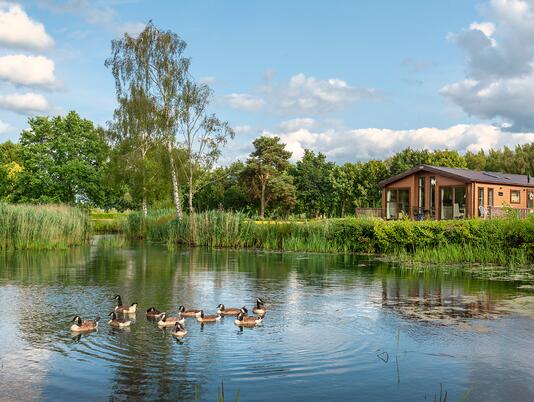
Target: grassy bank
point(500, 241)
point(42, 226)
point(108, 222)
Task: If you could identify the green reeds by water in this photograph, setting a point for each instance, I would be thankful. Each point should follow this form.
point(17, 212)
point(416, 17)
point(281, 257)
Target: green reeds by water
point(506, 242)
point(42, 226)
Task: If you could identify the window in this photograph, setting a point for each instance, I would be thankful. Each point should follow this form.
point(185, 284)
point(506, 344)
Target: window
point(480, 201)
point(515, 197)
point(490, 197)
point(421, 194)
point(397, 201)
point(530, 203)
point(432, 203)
point(453, 202)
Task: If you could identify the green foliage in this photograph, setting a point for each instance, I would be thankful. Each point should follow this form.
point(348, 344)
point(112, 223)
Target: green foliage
point(62, 161)
point(42, 227)
point(265, 175)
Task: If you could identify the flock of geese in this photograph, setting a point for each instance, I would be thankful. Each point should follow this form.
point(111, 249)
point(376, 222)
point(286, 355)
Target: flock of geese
point(119, 318)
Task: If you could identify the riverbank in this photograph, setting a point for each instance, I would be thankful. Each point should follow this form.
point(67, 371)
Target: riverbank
point(506, 242)
point(42, 227)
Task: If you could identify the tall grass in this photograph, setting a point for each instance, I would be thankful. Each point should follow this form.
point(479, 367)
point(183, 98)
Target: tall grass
point(42, 226)
point(505, 242)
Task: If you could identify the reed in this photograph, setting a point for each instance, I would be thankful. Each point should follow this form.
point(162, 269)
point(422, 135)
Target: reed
point(507, 242)
point(42, 226)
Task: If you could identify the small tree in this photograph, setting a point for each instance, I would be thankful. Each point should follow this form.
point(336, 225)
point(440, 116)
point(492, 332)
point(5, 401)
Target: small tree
point(265, 174)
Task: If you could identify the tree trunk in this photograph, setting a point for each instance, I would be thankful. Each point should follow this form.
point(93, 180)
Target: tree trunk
point(262, 201)
point(145, 206)
point(175, 187)
point(190, 187)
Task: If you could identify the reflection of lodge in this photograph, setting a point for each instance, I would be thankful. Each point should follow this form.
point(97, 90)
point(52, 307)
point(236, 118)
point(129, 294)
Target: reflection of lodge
point(435, 301)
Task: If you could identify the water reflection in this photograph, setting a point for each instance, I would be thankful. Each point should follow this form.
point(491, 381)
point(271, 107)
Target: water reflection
point(330, 317)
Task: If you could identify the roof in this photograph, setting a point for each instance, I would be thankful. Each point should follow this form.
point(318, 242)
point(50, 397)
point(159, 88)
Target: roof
point(467, 176)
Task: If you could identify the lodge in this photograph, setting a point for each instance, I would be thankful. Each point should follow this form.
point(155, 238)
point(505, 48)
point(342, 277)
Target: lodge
point(432, 192)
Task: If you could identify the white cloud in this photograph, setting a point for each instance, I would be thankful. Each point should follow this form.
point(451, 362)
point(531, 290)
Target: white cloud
point(28, 70)
point(243, 129)
point(499, 82)
point(25, 104)
point(4, 127)
point(349, 145)
point(245, 102)
point(303, 95)
point(20, 31)
point(208, 80)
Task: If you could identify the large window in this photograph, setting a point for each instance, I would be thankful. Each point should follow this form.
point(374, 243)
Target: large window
point(530, 203)
point(490, 197)
point(453, 202)
point(515, 197)
point(397, 201)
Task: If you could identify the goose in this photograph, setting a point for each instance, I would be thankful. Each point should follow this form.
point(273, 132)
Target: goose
point(244, 321)
point(260, 307)
point(208, 318)
point(188, 313)
point(222, 310)
point(179, 330)
point(83, 326)
point(166, 321)
point(153, 312)
point(121, 308)
point(118, 322)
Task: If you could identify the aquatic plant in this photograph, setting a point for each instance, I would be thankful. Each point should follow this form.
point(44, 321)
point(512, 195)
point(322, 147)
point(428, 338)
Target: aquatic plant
point(42, 226)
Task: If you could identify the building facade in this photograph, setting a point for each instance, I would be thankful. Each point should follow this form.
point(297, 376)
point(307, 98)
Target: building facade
point(431, 192)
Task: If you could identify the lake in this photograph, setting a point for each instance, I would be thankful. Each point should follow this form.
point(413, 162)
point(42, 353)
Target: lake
point(338, 327)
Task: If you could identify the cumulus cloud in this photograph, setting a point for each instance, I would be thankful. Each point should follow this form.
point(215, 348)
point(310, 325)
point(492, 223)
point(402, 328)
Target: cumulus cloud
point(243, 129)
point(349, 145)
point(247, 102)
point(25, 104)
point(304, 95)
point(499, 80)
point(25, 70)
point(20, 31)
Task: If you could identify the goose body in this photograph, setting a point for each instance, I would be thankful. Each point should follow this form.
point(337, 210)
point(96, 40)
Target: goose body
point(208, 318)
point(153, 312)
point(260, 307)
point(188, 313)
point(222, 310)
point(179, 330)
point(121, 308)
point(166, 321)
point(84, 325)
point(118, 322)
point(244, 321)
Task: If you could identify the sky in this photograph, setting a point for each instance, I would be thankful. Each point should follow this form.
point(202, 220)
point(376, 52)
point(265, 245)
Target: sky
point(356, 80)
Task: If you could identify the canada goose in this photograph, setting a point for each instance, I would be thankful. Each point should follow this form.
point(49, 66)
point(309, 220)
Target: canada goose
point(260, 307)
point(222, 310)
point(83, 326)
point(244, 321)
point(166, 321)
point(179, 330)
point(188, 313)
point(118, 322)
point(121, 308)
point(208, 318)
point(153, 312)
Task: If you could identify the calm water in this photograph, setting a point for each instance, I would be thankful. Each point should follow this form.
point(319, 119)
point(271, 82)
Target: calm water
point(338, 328)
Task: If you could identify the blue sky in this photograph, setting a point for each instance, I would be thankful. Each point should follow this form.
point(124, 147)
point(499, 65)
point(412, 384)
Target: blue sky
point(355, 80)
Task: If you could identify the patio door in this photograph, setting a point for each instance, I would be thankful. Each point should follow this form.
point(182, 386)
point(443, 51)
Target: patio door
point(530, 199)
point(453, 202)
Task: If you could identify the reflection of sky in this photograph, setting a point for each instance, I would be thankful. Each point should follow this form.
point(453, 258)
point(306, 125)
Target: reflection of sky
point(325, 326)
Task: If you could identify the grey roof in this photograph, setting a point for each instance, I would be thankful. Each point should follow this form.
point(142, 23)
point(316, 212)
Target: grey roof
point(468, 176)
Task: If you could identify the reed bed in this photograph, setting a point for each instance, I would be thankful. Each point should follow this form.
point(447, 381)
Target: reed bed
point(42, 227)
point(506, 242)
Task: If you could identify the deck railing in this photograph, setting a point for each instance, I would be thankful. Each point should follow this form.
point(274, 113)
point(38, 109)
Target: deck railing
point(369, 212)
point(499, 212)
